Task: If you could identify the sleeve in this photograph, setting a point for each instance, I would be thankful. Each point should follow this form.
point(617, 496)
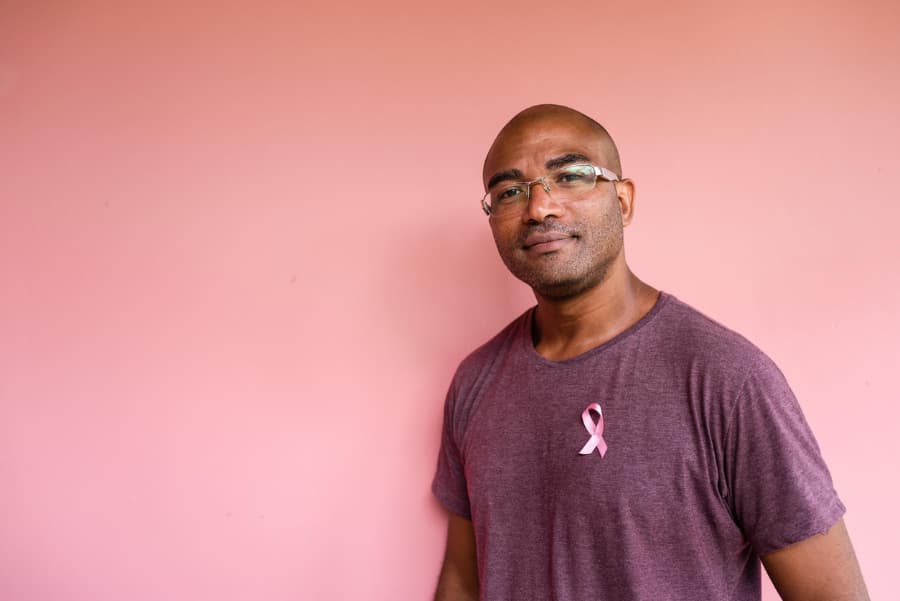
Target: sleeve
point(449, 484)
point(780, 488)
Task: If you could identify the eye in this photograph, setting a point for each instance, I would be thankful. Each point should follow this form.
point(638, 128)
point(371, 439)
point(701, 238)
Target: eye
point(578, 175)
point(507, 195)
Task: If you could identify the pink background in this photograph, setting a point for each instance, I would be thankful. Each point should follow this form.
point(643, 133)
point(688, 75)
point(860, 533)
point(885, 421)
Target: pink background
point(241, 254)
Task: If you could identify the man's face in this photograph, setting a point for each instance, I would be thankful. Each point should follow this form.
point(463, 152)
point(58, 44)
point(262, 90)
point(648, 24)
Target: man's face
point(560, 249)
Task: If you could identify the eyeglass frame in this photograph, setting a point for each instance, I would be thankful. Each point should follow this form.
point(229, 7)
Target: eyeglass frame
point(599, 172)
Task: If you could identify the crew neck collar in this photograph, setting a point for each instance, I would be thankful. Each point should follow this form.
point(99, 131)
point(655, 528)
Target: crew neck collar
point(528, 325)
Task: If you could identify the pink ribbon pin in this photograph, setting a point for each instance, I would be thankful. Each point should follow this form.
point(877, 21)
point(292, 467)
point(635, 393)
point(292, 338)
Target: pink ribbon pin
point(595, 430)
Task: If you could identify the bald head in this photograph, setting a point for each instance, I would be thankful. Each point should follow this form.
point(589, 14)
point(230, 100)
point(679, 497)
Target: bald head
point(532, 123)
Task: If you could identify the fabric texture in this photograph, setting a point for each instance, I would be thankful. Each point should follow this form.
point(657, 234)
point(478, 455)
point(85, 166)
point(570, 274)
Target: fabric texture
point(710, 464)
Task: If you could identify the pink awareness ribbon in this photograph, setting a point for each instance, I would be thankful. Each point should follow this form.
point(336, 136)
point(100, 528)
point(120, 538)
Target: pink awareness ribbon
point(595, 430)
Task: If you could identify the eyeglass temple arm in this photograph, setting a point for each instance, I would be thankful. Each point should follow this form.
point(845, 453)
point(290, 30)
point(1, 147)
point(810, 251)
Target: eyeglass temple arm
point(606, 173)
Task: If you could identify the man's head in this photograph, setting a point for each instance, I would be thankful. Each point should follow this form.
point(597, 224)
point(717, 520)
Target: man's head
point(559, 245)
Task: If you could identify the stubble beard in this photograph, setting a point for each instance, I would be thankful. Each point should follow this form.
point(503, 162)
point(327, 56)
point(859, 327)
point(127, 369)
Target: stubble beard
point(556, 278)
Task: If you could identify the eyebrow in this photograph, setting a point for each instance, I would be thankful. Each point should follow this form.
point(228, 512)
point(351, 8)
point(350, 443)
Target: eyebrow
point(502, 176)
point(566, 159)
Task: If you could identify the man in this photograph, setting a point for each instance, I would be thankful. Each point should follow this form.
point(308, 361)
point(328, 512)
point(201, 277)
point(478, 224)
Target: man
point(613, 443)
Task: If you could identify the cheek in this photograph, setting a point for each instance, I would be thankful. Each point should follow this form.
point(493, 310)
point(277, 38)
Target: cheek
point(504, 234)
point(601, 214)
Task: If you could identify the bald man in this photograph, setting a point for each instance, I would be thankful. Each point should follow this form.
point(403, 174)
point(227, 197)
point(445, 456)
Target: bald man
point(612, 442)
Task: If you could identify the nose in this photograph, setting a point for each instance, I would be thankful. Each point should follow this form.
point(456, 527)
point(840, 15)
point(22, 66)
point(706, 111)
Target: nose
point(541, 204)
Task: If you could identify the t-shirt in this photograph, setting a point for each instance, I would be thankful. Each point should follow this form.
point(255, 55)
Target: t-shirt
point(708, 464)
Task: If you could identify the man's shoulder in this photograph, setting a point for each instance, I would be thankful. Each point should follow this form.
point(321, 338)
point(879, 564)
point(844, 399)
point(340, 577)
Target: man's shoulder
point(688, 348)
point(500, 343)
point(695, 334)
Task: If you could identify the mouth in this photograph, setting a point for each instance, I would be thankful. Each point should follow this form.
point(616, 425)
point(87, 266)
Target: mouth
point(546, 242)
point(536, 239)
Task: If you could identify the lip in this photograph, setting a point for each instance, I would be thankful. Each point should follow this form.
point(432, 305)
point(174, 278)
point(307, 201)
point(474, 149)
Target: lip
point(548, 242)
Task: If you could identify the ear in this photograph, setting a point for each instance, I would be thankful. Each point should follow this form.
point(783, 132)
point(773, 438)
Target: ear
point(625, 193)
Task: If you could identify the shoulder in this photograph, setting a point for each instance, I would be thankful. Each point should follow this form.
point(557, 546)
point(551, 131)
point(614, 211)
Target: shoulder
point(486, 355)
point(686, 344)
point(702, 338)
point(475, 371)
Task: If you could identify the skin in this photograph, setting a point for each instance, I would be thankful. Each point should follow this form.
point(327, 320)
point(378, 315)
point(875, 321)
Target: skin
point(459, 574)
point(587, 295)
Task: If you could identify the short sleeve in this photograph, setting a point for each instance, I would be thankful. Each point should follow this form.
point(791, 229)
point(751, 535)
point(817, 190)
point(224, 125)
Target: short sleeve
point(779, 486)
point(449, 484)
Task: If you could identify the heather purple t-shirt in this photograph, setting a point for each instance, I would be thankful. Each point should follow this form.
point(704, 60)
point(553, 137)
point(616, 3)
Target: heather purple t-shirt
point(710, 464)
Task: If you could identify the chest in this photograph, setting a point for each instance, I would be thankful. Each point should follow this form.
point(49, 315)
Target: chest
point(521, 450)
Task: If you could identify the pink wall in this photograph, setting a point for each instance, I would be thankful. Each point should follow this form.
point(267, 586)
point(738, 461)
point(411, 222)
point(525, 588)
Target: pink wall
point(241, 254)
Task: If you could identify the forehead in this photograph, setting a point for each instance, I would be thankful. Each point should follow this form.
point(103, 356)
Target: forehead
point(527, 145)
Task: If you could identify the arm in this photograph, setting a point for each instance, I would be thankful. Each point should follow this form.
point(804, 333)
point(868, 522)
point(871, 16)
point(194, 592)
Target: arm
point(820, 568)
point(459, 574)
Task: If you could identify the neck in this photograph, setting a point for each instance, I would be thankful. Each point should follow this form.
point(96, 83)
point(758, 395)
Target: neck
point(565, 328)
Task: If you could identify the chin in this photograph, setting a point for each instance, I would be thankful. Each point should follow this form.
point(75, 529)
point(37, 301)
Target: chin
point(557, 288)
point(562, 286)
point(562, 290)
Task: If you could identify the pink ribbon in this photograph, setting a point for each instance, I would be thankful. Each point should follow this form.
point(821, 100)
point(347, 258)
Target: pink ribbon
point(595, 430)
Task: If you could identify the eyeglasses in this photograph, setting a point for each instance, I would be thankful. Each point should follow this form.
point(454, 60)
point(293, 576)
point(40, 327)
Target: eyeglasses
point(565, 184)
